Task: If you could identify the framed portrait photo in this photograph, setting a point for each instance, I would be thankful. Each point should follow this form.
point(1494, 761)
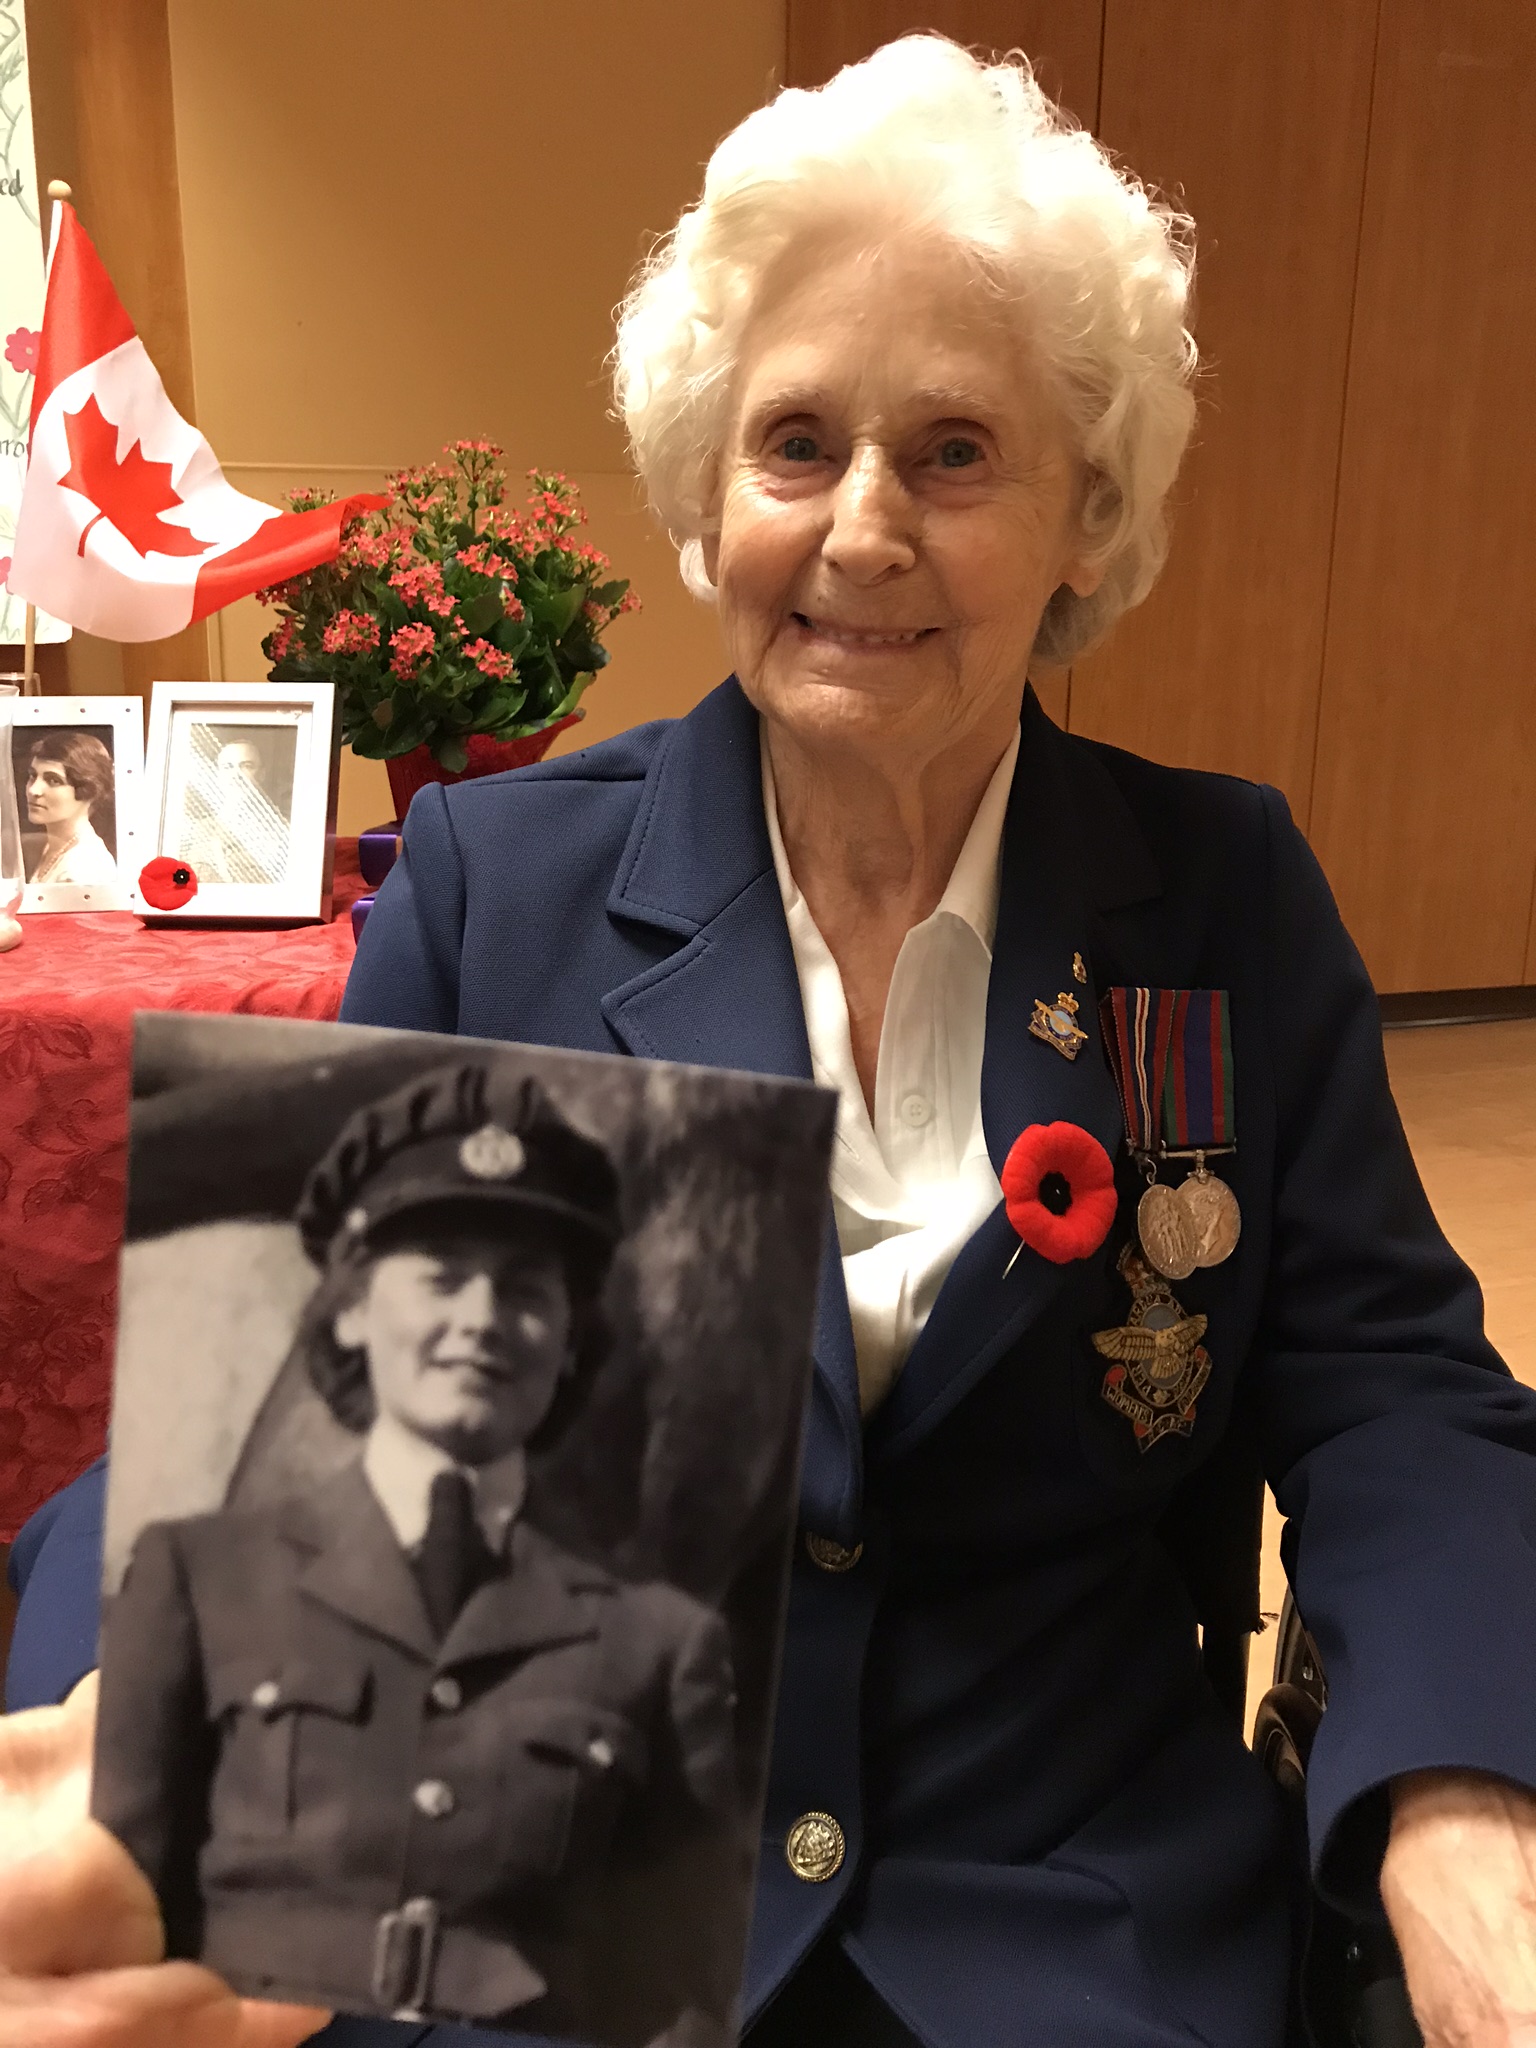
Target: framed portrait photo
point(241, 782)
point(79, 769)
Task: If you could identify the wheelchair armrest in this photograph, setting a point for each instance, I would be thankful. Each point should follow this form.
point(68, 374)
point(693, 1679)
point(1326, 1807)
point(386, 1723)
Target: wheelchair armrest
point(1352, 1989)
point(1283, 1730)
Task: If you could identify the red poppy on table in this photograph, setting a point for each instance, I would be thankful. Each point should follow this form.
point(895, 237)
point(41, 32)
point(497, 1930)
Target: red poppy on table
point(1059, 1191)
point(166, 883)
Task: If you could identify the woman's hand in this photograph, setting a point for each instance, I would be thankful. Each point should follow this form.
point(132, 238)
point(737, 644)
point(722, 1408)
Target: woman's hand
point(1459, 1886)
point(81, 1944)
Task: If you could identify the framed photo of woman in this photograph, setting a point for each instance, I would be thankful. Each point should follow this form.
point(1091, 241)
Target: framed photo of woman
point(242, 789)
point(79, 769)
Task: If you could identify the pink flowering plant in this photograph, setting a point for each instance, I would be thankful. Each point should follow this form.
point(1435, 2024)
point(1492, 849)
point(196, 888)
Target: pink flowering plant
point(448, 613)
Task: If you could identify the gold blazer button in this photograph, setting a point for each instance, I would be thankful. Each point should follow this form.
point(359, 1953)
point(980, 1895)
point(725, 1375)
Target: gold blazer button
point(832, 1557)
point(815, 1847)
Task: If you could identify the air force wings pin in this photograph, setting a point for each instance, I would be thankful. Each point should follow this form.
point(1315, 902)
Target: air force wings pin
point(1158, 1366)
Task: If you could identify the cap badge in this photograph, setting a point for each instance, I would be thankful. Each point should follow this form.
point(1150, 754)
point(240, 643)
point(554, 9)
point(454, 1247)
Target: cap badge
point(492, 1153)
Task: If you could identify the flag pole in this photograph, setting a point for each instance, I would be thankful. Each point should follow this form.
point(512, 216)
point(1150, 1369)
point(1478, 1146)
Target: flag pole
point(31, 684)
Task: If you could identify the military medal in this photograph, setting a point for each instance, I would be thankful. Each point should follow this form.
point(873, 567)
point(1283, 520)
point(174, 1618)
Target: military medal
point(1056, 1024)
point(1167, 1231)
point(1158, 1366)
point(1171, 1054)
point(1213, 1210)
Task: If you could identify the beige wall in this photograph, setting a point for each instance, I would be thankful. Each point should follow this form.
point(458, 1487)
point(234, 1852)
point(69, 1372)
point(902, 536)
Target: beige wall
point(406, 222)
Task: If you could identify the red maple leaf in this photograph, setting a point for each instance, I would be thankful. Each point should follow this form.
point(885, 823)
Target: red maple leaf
point(129, 494)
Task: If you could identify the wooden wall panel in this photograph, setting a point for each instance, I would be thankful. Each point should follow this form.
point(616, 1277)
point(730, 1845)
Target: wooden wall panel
point(1424, 815)
point(1254, 117)
point(105, 123)
point(1061, 37)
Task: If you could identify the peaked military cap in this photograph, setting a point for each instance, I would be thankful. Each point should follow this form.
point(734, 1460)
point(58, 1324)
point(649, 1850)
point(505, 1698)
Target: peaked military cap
point(455, 1136)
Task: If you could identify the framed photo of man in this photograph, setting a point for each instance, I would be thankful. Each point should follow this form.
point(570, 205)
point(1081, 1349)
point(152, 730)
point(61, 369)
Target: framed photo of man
point(456, 1432)
point(79, 770)
point(242, 783)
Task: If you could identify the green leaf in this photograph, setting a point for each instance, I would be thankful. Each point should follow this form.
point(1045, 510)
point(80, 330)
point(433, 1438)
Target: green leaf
point(452, 754)
point(481, 613)
point(571, 698)
point(563, 607)
point(384, 714)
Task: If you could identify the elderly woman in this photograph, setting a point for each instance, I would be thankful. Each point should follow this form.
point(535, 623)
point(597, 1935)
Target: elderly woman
point(909, 385)
point(68, 778)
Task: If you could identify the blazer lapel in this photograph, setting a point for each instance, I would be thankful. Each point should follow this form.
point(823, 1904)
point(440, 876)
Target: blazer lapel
point(356, 1567)
point(699, 866)
point(1071, 850)
point(534, 1604)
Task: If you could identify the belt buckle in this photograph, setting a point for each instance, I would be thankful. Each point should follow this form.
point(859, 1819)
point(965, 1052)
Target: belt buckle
point(404, 1956)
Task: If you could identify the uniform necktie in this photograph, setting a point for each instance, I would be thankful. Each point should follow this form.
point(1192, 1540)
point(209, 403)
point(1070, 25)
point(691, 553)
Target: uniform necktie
point(453, 1559)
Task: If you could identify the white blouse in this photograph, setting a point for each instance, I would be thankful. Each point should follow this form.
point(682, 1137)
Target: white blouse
point(913, 1182)
point(83, 863)
point(400, 1467)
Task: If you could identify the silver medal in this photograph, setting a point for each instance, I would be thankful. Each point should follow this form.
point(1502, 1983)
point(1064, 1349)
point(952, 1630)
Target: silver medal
point(1214, 1216)
point(1167, 1232)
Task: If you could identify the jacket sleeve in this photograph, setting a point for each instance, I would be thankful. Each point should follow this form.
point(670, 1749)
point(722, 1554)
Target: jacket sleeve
point(55, 1569)
point(154, 1753)
point(1400, 1450)
point(406, 973)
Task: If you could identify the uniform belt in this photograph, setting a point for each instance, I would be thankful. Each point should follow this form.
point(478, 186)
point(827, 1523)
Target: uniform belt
point(405, 1962)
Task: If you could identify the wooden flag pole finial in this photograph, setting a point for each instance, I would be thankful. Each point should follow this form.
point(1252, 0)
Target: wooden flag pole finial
point(57, 189)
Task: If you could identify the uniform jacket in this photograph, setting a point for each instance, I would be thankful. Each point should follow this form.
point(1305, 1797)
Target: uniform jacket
point(292, 1756)
point(1054, 1834)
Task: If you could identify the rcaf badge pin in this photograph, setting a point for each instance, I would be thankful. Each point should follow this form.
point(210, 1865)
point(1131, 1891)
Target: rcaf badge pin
point(1158, 1366)
point(1056, 1024)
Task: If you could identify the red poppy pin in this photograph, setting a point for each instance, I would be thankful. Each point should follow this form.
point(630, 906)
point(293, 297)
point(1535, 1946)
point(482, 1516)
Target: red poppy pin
point(166, 883)
point(1059, 1191)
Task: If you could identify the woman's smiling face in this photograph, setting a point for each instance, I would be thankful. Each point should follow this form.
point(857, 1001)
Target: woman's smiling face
point(468, 1335)
point(898, 500)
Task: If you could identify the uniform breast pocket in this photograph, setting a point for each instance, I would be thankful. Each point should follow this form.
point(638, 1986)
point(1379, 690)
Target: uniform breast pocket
point(271, 1718)
point(573, 1768)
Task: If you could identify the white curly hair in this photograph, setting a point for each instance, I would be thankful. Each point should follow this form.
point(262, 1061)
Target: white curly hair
point(925, 136)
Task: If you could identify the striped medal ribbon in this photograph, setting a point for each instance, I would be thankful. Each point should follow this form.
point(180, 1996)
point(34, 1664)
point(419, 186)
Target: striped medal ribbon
point(1170, 1050)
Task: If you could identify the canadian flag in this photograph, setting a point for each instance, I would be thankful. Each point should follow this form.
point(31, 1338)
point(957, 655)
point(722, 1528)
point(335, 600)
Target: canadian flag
point(127, 527)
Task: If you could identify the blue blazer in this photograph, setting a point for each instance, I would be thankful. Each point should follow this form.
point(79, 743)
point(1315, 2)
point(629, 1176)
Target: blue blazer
point(1054, 1833)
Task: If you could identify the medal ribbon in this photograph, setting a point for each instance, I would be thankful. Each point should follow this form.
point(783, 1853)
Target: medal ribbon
point(1170, 1051)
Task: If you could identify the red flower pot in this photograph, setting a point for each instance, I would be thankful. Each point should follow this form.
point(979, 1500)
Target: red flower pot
point(413, 771)
point(1059, 1190)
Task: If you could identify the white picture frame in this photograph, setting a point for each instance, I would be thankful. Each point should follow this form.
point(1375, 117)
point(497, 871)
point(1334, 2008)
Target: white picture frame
point(240, 784)
point(75, 862)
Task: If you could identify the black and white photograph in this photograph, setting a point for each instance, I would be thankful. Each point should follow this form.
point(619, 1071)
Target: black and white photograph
point(67, 787)
point(242, 781)
point(455, 1442)
point(229, 806)
point(78, 767)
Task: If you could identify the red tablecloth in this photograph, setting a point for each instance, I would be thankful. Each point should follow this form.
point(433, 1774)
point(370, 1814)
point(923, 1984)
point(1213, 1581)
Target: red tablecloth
point(67, 998)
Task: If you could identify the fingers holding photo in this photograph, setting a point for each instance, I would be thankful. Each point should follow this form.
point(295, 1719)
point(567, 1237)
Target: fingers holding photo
point(164, 2005)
